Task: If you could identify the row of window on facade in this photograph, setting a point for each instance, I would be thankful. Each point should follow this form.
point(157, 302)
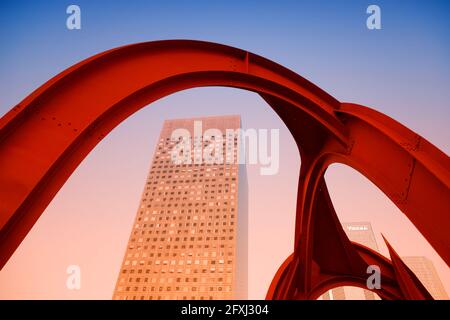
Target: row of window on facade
point(176, 289)
point(173, 297)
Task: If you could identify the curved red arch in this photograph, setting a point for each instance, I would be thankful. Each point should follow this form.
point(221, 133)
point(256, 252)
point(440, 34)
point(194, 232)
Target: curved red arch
point(46, 136)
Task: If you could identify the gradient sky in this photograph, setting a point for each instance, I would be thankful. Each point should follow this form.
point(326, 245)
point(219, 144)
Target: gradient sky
point(401, 70)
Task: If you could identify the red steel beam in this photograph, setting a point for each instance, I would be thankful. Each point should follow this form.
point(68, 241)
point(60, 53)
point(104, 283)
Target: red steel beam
point(45, 137)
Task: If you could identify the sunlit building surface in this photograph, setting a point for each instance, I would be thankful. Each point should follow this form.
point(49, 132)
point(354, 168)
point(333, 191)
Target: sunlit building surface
point(424, 269)
point(189, 237)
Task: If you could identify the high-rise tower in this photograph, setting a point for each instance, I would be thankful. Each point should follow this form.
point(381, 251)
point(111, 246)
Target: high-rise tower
point(189, 237)
point(361, 233)
point(424, 269)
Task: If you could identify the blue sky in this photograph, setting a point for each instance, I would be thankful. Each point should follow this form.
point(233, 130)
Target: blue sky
point(399, 70)
point(402, 70)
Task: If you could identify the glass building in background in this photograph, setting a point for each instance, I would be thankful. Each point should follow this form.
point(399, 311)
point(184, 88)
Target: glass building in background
point(424, 269)
point(360, 232)
point(189, 237)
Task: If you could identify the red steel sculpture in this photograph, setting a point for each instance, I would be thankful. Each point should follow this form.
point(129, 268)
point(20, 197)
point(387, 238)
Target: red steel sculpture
point(46, 136)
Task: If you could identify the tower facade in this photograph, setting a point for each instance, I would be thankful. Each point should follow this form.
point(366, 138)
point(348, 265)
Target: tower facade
point(424, 269)
point(189, 237)
point(362, 233)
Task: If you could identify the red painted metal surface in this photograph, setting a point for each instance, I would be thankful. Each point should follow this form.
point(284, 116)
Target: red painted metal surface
point(45, 137)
